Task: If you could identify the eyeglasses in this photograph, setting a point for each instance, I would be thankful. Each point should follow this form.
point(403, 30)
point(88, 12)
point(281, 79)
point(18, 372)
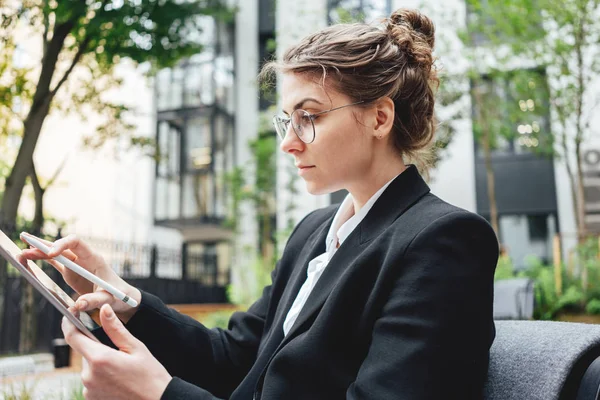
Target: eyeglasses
point(302, 123)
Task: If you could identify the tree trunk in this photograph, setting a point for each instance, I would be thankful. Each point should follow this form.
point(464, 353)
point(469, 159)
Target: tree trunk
point(39, 191)
point(28, 319)
point(582, 228)
point(33, 125)
point(570, 173)
point(491, 181)
point(579, 44)
point(27, 336)
point(487, 156)
point(22, 166)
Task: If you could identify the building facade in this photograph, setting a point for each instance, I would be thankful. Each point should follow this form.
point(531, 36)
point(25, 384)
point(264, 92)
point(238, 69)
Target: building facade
point(205, 111)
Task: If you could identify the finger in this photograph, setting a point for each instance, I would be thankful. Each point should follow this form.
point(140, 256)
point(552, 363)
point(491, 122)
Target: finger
point(36, 254)
point(78, 247)
point(78, 341)
point(25, 234)
point(116, 331)
point(58, 266)
point(22, 259)
point(86, 373)
point(91, 301)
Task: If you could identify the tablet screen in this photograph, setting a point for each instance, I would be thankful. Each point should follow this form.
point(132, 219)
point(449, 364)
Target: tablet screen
point(10, 251)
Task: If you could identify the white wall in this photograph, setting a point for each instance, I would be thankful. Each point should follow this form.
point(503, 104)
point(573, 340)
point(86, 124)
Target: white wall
point(246, 110)
point(247, 119)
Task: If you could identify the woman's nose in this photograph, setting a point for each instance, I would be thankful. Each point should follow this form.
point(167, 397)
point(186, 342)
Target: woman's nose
point(291, 142)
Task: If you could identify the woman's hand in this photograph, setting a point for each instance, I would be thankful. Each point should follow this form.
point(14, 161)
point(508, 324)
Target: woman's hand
point(128, 373)
point(91, 297)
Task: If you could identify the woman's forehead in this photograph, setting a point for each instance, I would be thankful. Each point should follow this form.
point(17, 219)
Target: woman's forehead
point(297, 87)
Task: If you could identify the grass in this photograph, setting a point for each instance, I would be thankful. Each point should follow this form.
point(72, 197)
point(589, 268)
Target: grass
point(25, 392)
point(22, 392)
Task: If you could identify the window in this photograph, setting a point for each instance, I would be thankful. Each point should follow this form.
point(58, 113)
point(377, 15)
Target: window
point(195, 130)
point(208, 262)
point(205, 79)
point(168, 172)
point(513, 107)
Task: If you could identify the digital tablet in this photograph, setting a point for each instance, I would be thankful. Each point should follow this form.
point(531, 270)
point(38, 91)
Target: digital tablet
point(85, 322)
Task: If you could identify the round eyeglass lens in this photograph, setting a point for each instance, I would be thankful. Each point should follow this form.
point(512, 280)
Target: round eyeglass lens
point(302, 124)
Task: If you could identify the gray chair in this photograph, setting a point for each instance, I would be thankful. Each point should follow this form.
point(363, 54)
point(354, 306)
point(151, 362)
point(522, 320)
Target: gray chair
point(513, 298)
point(543, 360)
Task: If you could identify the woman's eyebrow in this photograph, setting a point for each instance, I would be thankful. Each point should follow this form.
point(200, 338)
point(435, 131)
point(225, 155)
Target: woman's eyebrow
point(301, 103)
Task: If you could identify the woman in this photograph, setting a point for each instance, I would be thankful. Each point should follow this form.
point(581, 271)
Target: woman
point(388, 296)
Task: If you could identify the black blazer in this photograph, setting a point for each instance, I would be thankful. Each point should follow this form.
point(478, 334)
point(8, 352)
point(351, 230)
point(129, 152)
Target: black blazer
point(402, 311)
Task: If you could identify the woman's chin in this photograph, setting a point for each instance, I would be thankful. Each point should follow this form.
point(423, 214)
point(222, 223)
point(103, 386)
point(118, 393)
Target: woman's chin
point(315, 188)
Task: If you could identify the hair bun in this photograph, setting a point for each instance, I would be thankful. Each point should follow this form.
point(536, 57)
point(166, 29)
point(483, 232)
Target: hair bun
point(414, 20)
point(414, 33)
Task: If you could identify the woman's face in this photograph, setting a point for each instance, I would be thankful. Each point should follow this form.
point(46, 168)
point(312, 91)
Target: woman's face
point(343, 150)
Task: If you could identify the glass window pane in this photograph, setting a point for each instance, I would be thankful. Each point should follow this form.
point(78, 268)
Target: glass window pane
point(202, 263)
point(163, 145)
point(161, 198)
point(173, 200)
point(223, 263)
point(198, 196)
point(195, 264)
point(198, 143)
point(173, 154)
point(224, 81)
point(223, 159)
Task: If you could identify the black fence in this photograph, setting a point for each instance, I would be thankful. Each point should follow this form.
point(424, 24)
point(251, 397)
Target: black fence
point(170, 274)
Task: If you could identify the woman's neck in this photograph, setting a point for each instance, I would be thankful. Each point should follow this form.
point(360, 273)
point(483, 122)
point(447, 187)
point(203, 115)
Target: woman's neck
point(374, 180)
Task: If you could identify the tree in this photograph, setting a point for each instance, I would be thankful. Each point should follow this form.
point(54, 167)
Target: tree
point(562, 37)
point(81, 44)
point(92, 36)
point(510, 114)
point(256, 183)
point(508, 101)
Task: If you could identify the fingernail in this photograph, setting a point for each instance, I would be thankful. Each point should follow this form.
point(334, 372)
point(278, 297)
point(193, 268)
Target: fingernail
point(110, 314)
point(52, 250)
point(82, 304)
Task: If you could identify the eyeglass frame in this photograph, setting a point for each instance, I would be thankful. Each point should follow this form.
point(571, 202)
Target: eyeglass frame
point(312, 117)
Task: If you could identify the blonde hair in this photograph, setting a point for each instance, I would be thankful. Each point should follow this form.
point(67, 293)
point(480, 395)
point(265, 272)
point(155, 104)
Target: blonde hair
point(367, 62)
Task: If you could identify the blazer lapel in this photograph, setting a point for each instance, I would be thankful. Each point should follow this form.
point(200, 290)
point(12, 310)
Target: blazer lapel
point(399, 196)
point(315, 245)
point(339, 263)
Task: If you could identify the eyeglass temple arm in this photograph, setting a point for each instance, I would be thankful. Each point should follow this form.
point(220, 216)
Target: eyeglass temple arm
point(337, 108)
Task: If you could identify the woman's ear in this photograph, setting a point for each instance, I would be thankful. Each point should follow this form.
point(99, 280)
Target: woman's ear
point(384, 117)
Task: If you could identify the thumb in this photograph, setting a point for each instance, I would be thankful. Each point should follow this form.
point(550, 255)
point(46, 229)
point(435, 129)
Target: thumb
point(116, 331)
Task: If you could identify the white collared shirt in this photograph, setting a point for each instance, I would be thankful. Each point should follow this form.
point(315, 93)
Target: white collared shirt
point(344, 222)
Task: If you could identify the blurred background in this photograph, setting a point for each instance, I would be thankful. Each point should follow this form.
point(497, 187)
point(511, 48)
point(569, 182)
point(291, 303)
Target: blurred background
point(140, 126)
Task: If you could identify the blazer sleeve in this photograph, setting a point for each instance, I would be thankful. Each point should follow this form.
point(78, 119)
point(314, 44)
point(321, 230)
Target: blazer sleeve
point(214, 359)
point(433, 336)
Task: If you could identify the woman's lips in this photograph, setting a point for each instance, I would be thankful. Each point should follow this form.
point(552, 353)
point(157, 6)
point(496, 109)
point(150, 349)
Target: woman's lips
point(304, 168)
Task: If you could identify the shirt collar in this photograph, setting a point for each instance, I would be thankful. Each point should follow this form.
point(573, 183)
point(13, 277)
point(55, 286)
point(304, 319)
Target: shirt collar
point(345, 220)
